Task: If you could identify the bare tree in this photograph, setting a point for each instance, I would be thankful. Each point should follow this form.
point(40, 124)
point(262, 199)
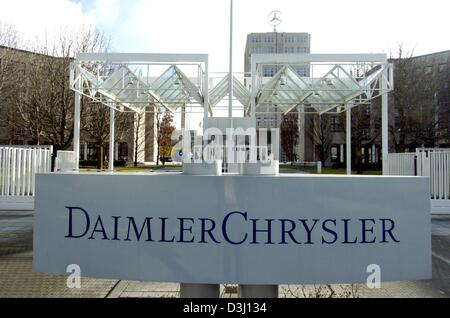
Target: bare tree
point(10, 66)
point(289, 135)
point(320, 133)
point(44, 102)
point(365, 129)
point(415, 102)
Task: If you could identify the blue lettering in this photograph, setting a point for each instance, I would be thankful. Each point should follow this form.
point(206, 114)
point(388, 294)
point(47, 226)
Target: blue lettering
point(365, 230)
point(209, 230)
point(284, 231)
point(139, 234)
point(116, 228)
point(268, 231)
point(224, 228)
point(183, 229)
point(328, 230)
point(346, 241)
point(86, 215)
point(389, 231)
point(163, 232)
point(309, 229)
point(101, 230)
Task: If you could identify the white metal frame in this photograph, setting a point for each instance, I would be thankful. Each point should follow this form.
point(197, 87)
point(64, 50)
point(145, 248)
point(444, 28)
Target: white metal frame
point(85, 83)
point(376, 81)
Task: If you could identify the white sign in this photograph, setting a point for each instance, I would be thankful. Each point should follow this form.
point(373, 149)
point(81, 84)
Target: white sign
point(233, 229)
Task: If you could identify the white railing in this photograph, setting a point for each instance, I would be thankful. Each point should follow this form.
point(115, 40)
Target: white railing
point(18, 166)
point(429, 162)
point(401, 164)
point(435, 164)
point(65, 161)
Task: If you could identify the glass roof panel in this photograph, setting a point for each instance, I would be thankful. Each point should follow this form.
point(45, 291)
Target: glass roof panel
point(219, 91)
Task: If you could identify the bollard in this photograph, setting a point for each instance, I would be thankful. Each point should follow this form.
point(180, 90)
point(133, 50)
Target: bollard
point(199, 290)
point(319, 167)
point(258, 291)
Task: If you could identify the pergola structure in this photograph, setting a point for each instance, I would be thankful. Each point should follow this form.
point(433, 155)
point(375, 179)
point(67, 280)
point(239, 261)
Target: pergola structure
point(125, 82)
point(336, 83)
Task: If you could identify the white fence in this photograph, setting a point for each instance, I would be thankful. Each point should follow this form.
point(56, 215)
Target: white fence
point(433, 163)
point(18, 166)
point(402, 164)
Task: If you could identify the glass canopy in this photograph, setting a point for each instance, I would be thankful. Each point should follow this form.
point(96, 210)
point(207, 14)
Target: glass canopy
point(124, 87)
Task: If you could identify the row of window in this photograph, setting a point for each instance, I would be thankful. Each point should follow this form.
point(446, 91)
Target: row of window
point(266, 120)
point(271, 50)
point(270, 71)
point(292, 49)
point(295, 39)
point(263, 50)
point(287, 39)
point(443, 67)
point(369, 153)
point(263, 39)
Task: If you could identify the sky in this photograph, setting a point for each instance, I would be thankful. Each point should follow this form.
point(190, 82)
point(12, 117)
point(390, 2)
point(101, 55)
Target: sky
point(202, 26)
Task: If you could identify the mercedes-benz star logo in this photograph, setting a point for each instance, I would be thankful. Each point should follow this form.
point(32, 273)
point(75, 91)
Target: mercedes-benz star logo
point(274, 19)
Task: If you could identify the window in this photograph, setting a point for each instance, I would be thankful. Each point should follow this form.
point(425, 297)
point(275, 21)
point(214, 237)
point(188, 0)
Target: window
point(334, 153)
point(428, 70)
point(289, 49)
point(302, 71)
point(442, 67)
point(268, 39)
point(256, 39)
point(366, 133)
point(289, 39)
point(335, 124)
point(302, 50)
point(269, 72)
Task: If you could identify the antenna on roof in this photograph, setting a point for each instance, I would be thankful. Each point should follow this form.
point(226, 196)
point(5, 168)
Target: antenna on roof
point(274, 19)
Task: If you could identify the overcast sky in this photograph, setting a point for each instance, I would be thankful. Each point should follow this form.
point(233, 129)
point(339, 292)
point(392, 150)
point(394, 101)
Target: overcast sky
point(201, 26)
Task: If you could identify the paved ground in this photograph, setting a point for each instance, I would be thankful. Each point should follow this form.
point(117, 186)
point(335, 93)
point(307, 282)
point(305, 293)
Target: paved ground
point(18, 280)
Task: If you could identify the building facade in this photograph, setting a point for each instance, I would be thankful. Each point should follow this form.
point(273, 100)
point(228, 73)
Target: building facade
point(275, 43)
point(419, 107)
